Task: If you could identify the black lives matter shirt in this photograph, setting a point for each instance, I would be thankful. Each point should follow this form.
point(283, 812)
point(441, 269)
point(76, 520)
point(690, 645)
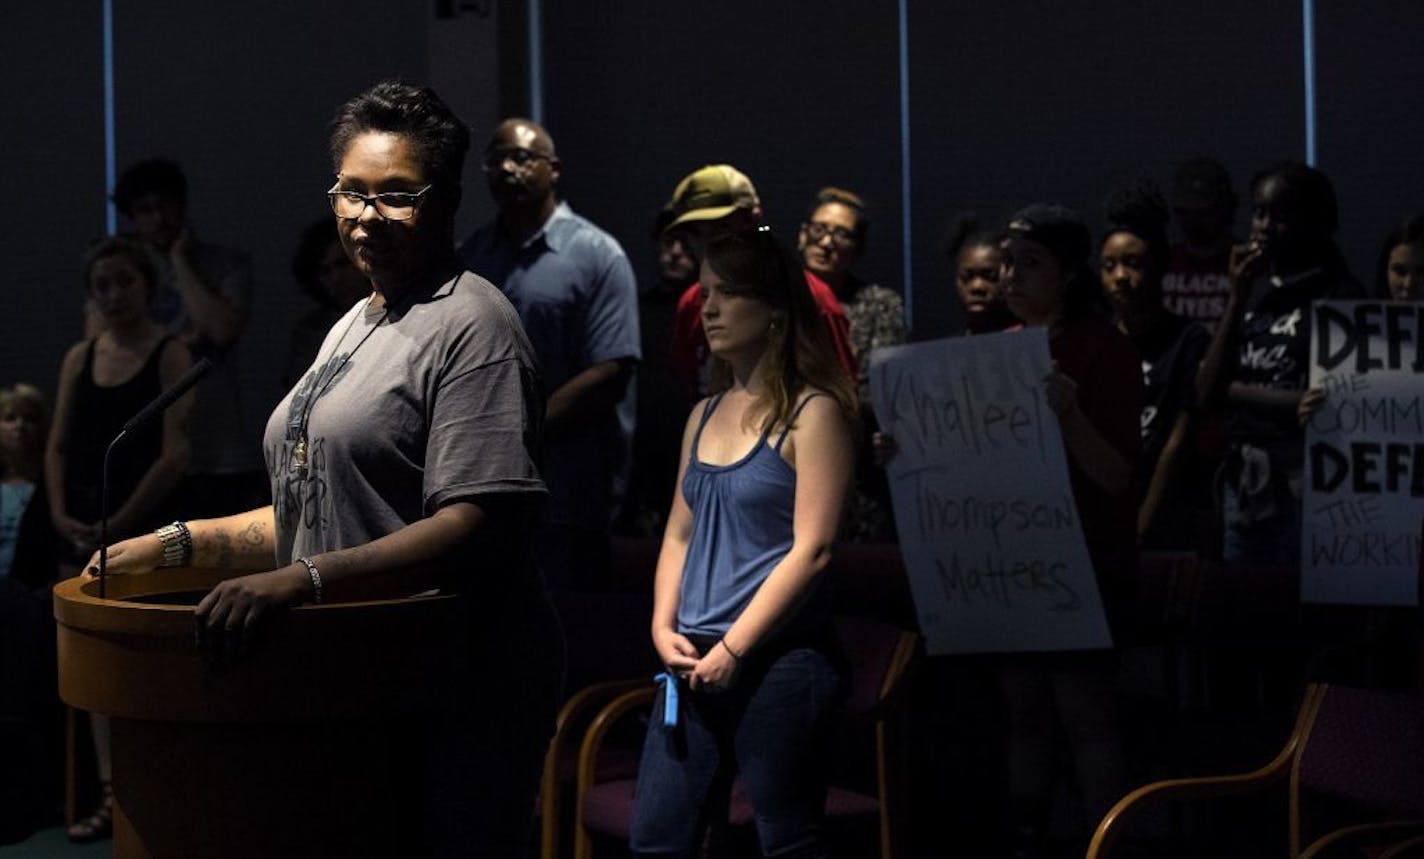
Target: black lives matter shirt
point(1197, 287)
point(1272, 350)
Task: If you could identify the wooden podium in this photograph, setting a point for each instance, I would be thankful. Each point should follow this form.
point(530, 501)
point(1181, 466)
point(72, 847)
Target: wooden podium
point(312, 746)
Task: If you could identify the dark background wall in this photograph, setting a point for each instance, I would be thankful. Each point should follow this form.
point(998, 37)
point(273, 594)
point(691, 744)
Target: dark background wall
point(241, 95)
point(796, 95)
point(1018, 101)
point(1010, 101)
point(1371, 137)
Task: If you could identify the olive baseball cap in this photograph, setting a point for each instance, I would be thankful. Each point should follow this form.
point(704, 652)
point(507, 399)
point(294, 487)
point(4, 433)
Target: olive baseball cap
point(710, 193)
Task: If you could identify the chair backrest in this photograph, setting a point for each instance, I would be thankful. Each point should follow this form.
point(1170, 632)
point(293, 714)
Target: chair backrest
point(1367, 748)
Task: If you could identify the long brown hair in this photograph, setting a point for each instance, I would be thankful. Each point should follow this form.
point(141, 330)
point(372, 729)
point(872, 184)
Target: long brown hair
point(799, 354)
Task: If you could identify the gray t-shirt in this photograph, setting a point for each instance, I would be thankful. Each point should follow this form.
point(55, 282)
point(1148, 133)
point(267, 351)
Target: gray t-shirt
point(437, 401)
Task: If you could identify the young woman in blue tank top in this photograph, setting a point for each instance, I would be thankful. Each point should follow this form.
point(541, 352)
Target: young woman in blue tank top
point(739, 617)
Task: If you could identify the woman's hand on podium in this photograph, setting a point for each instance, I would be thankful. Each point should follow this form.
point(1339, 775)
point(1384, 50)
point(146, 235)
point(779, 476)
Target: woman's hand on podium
point(140, 554)
point(230, 616)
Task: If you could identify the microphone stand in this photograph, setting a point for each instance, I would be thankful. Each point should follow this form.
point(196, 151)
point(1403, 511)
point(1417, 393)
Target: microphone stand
point(146, 414)
point(104, 514)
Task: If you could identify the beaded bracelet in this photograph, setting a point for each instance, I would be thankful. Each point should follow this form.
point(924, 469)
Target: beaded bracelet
point(177, 542)
point(315, 577)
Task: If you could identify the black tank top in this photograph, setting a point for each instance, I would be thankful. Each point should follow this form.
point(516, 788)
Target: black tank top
point(97, 414)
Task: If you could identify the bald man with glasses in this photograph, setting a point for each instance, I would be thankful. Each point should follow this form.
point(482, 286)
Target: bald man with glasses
point(578, 298)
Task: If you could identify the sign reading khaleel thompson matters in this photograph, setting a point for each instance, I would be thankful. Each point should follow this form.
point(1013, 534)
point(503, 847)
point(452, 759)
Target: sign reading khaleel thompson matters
point(1364, 479)
point(988, 527)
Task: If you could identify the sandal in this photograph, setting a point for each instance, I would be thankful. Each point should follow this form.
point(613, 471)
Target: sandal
point(98, 825)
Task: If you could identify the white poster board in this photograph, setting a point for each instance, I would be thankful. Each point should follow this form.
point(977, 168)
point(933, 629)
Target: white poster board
point(987, 522)
point(1364, 455)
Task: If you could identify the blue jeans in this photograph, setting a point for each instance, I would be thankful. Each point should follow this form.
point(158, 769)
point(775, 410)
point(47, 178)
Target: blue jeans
point(774, 726)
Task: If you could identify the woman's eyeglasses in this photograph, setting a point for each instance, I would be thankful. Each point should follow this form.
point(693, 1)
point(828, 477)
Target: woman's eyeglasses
point(391, 205)
point(840, 236)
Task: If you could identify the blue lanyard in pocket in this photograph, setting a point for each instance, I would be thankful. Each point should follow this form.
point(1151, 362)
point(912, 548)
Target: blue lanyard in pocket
point(669, 682)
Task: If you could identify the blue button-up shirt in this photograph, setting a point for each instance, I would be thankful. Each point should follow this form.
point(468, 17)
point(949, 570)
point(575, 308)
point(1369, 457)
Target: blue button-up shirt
point(575, 291)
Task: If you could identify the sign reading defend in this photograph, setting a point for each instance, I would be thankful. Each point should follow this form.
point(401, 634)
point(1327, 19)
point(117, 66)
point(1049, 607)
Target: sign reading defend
point(1364, 455)
point(988, 527)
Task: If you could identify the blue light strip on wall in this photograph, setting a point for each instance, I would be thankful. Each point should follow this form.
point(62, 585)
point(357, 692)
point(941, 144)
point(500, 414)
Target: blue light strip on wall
point(111, 218)
point(906, 263)
point(1308, 34)
point(536, 60)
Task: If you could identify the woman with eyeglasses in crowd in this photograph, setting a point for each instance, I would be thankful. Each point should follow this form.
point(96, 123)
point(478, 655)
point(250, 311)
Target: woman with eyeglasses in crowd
point(402, 461)
point(832, 239)
point(741, 620)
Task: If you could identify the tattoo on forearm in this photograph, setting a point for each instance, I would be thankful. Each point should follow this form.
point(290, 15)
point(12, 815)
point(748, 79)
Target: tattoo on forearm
point(224, 556)
point(254, 537)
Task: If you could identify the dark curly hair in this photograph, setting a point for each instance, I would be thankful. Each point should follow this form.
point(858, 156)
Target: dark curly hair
point(1139, 209)
point(966, 231)
point(1320, 210)
point(161, 176)
point(415, 113)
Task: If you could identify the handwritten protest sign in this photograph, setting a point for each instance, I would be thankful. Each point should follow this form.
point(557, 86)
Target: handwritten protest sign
point(1364, 464)
point(987, 523)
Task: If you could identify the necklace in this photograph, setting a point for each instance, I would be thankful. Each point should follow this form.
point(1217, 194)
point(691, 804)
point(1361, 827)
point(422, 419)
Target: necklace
point(299, 451)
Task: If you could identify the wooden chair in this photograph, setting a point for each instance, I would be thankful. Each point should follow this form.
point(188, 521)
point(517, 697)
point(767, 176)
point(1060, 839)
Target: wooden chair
point(1351, 749)
point(609, 653)
point(881, 657)
point(571, 721)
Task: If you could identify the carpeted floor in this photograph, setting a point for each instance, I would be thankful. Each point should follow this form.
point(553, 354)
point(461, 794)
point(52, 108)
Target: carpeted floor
point(52, 844)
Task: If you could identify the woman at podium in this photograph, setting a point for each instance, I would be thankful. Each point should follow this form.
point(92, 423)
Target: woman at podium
point(404, 460)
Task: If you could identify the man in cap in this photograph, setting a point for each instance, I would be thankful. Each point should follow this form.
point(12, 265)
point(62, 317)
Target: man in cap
point(576, 294)
point(715, 201)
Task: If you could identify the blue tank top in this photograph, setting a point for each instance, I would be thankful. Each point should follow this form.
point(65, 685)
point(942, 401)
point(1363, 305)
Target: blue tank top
point(742, 516)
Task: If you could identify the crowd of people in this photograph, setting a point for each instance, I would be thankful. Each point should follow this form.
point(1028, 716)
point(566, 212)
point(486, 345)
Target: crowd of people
point(492, 409)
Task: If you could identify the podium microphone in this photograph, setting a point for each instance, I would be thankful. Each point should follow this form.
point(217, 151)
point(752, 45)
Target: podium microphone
point(144, 416)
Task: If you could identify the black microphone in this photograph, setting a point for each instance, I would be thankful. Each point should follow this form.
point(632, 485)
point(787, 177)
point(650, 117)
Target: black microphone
point(146, 414)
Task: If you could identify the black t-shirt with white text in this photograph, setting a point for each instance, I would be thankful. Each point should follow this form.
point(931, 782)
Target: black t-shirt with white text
point(1272, 350)
point(1171, 353)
